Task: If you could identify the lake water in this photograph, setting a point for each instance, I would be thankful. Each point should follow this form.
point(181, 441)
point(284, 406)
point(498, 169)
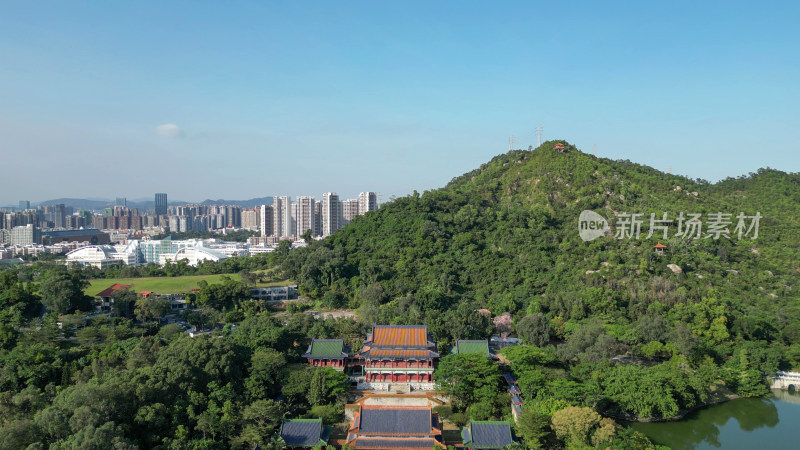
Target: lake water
point(739, 424)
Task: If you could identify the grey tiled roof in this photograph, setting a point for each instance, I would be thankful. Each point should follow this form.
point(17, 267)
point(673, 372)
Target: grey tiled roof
point(394, 421)
point(302, 432)
point(490, 434)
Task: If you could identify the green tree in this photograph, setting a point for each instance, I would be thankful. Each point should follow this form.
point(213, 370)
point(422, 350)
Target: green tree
point(107, 435)
point(151, 308)
point(468, 379)
point(19, 433)
point(123, 299)
point(327, 386)
point(534, 427)
point(330, 414)
point(249, 279)
point(296, 386)
point(535, 330)
point(605, 432)
point(266, 365)
point(223, 296)
point(574, 424)
point(62, 290)
point(260, 419)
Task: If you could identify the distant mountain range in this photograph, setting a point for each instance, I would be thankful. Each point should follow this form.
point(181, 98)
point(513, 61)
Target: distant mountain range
point(97, 204)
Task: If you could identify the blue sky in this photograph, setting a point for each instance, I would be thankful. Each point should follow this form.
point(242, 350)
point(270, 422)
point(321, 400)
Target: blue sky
point(300, 98)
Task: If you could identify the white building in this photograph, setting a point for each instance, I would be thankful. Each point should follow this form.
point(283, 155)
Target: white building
point(24, 235)
point(350, 209)
point(367, 201)
point(192, 255)
point(261, 248)
point(282, 217)
point(331, 213)
point(305, 215)
point(102, 256)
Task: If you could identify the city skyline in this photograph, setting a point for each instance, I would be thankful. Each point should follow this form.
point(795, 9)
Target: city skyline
point(399, 96)
point(16, 204)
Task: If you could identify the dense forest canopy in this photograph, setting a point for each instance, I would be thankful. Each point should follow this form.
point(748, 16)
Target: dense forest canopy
point(505, 237)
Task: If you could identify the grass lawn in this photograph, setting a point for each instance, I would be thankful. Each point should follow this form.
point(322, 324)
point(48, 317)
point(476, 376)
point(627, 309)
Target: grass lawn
point(166, 285)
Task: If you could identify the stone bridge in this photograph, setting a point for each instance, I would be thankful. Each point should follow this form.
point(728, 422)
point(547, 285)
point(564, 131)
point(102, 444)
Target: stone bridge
point(786, 380)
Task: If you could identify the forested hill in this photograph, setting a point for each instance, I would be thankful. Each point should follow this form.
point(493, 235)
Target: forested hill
point(505, 237)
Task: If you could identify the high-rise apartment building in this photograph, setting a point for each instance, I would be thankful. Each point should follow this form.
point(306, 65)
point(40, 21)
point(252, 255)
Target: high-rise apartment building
point(267, 221)
point(15, 219)
point(288, 217)
point(251, 219)
point(161, 204)
point(24, 204)
point(282, 217)
point(367, 201)
point(350, 209)
point(233, 215)
point(331, 213)
point(294, 219)
point(121, 201)
point(277, 216)
point(25, 235)
point(317, 218)
point(305, 215)
point(54, 214)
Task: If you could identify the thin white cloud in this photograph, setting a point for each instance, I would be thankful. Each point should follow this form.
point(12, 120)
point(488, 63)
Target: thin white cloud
point(169, 131)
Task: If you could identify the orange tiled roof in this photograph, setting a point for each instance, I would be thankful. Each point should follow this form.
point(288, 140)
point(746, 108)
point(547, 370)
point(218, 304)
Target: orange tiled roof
point(399, 335)
point(400, 353)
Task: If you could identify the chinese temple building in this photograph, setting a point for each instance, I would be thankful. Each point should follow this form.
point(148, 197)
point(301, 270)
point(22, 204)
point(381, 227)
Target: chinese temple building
point(486, 434)
point(399, 354)
point(480, 347)
point(394, 427)
point(327, 353)
point(402, 355)
point(304, 433)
